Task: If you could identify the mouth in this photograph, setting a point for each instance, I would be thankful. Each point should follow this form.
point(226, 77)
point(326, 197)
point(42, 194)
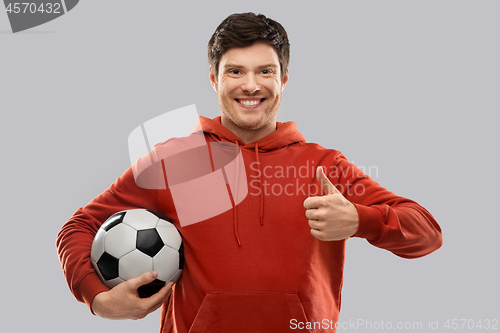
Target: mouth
point(250, 102)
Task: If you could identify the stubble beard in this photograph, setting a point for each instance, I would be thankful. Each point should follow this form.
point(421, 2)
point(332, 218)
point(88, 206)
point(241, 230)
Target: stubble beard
point(239, 123)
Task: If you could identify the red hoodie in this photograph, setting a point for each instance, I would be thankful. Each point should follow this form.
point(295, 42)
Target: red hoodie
point(254, 267)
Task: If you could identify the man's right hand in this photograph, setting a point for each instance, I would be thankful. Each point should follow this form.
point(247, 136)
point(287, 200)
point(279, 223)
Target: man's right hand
point(123, 301)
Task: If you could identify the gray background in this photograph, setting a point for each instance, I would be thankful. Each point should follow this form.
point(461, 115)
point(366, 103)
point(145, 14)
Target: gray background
point(407, 87)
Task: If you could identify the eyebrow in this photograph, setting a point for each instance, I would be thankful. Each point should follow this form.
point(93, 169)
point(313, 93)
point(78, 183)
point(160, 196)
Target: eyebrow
point(270, 65)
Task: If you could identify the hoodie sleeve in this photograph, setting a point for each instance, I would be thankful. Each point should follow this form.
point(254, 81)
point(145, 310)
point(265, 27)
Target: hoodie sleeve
point(75, 238)
point(386, 220)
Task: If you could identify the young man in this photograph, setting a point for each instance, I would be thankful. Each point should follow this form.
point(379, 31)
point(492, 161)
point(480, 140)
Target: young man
point(274, 261)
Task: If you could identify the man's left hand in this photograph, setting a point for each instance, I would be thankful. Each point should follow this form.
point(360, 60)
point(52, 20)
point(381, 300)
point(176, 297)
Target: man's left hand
point(331, 216)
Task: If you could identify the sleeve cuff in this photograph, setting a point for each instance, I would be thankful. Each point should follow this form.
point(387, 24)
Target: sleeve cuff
point(371, 226)
point(90, 286)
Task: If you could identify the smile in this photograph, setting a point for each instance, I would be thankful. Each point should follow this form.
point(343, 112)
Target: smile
point(250, 102)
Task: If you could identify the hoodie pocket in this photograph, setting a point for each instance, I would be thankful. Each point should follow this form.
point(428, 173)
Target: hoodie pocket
point(229, 312)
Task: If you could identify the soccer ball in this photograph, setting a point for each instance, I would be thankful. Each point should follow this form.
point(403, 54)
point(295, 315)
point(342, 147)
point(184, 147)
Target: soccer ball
point(133, 242)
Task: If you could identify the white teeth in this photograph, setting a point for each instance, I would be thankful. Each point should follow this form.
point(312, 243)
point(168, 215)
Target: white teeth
point(249, 102)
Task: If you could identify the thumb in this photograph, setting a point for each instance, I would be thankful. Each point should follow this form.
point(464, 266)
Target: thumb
point(143, 279)
point(324, 182)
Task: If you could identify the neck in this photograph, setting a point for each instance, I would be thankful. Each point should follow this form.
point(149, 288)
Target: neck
point(249, 135)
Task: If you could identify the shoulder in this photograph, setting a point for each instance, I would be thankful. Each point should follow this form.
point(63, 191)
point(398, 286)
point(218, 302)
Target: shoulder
point(315, 149)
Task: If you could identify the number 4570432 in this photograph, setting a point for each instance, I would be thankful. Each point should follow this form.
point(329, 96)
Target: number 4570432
point(30, 7)
point(471, 324)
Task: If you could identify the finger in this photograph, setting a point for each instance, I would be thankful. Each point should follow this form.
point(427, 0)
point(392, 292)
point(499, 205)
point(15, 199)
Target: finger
point(317, 234)
point(161, 294)
point(159, 298)
point(156, 307)
point(313, 224)
point(313, 202)
point(310, 213)
point(324, 182)
point(308, 204)
point(313, 214)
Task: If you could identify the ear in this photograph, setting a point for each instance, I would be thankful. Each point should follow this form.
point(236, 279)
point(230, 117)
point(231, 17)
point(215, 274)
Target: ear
point(213, 79)
point(285, 80)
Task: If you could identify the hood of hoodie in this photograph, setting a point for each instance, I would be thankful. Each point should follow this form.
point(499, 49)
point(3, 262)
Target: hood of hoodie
point(285, 134)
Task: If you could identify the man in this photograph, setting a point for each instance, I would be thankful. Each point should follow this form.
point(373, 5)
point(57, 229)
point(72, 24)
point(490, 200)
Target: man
point(274, 261)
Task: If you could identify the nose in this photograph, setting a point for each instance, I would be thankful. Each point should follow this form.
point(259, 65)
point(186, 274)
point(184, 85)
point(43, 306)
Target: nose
point(250, 84)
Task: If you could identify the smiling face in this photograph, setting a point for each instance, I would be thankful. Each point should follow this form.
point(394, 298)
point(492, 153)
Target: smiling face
point(249, 88)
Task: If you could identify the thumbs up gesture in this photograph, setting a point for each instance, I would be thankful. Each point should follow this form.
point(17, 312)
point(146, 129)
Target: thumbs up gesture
point(331, 216)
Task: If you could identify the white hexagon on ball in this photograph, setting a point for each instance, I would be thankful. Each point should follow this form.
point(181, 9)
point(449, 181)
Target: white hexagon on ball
point(140, 219)
point(134, 264)
point(169, 234)
point(166, 255)
point(120, 240)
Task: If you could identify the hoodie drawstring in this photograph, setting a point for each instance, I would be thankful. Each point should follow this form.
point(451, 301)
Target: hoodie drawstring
point(261, 209)
point(235, 215)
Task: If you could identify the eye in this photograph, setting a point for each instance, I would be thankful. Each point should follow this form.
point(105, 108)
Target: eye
point(234, 71)
point(267, 71)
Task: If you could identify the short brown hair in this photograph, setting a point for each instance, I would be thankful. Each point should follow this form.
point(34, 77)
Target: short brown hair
point(241, 30)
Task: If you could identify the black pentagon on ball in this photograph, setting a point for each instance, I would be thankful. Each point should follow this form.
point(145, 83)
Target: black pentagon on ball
point(181, 256)
point(113, 221)
point(149, 242)
point(108, 266)
point(150, 289)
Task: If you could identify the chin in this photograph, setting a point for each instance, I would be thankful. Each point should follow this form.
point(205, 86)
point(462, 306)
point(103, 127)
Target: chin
point(246, 120)
point(250, 123)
